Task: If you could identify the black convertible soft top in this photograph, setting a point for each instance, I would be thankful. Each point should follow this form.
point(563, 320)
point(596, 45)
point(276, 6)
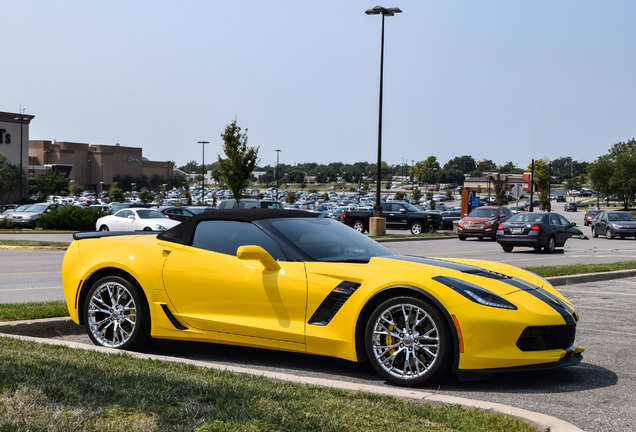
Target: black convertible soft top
point(183, 232)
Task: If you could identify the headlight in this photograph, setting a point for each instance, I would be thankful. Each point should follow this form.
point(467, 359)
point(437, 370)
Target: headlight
point(475, 293)
point(160, 228)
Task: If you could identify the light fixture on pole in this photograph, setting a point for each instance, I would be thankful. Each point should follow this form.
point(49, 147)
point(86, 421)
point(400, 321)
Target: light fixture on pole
point(377, 209)
point(277, 153)
point(203, 143)
point(101, 187)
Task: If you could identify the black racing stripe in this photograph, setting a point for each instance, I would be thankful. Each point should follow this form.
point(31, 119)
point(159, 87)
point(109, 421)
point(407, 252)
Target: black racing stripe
point(464, 268)
point(541, 294)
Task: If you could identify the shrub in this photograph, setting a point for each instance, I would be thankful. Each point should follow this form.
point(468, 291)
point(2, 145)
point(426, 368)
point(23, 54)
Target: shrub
point(6, 223)
point(72, 218)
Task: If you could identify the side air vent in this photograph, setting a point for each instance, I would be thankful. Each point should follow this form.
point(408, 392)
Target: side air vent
point(332, 303)
point(172, 319)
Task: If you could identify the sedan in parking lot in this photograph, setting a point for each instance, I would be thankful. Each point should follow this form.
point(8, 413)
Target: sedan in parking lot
point(614, 224)
point(27, 217)
point(135, 219)
point(536, 230)
point(589, 215)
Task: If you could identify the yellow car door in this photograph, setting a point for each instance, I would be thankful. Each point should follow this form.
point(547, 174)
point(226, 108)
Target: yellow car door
point(222, 293)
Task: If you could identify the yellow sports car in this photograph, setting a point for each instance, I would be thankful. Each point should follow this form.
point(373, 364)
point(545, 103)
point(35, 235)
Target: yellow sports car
point(288, 280)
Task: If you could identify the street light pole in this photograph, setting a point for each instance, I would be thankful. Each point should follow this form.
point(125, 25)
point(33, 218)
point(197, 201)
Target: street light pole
point(203, 143)
point(379, 224)
point(21, 120)
point(277, 153)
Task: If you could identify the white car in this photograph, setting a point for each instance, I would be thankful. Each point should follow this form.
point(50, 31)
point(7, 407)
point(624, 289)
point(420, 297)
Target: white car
point(135, 219)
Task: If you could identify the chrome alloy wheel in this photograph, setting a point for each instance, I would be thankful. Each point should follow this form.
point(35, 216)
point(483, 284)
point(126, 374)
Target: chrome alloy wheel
point(112, 314)
point(405, 341)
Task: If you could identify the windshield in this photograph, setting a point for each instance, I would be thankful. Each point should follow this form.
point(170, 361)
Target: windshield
point(35, 208)
point(620, 216)
point(483, 212)
point(526, 218)
point(323, 239)
point(150, 214)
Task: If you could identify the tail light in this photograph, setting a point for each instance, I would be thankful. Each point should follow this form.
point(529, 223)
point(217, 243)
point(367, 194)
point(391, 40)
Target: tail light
point(536, 227)
point(344, 215)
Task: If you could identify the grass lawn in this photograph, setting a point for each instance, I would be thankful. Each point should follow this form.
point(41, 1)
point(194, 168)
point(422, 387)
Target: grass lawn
point(53, 388)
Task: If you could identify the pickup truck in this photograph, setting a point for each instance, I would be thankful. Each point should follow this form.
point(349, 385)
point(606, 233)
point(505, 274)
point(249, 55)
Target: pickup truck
point(398, 215)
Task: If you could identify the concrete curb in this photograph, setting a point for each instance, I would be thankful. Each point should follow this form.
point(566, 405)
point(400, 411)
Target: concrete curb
point(590, 277)
point(544, 422)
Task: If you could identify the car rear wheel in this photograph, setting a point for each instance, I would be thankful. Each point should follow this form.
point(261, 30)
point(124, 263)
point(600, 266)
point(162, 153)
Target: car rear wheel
point(104, 228)
point(359, 226)
point(116, 314)
point(551, 246)
point(594, 233)
point(417, 228)
point(507, 248)
point(407, 341)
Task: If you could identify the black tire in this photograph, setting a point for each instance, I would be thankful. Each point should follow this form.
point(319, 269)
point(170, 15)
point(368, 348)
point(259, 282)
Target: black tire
point(507, 248)
point(104, 228)
point(147, 229)
point(404, 354)
point(594, 233)
point(608, 234)
point(359, 225)
point(116, 314)
point(551, 246)
point(417, 228)
point(461, 237)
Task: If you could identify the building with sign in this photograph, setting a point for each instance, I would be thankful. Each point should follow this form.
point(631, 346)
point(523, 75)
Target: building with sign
point(14, 145)
point(92, 166)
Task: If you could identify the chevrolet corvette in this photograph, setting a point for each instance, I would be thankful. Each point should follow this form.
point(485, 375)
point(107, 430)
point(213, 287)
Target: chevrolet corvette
point(288, 280)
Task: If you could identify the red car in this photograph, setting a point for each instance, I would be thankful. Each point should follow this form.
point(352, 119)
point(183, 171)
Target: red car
point(483, 222)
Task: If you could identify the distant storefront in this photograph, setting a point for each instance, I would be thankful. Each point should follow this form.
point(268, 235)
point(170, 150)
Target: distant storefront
point(92, 166)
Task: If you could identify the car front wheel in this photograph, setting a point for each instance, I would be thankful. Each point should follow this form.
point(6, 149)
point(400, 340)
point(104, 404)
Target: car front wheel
point(104, 228)
point(116, 314)
point(417, 228)
point(507, 248)
point(407, 341)
point(608, 234)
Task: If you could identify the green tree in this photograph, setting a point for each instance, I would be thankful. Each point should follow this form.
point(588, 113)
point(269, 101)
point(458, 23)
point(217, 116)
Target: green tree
point(115, 194)
point(614, 174)
point(51, 183)
point(542, 181)
point(417, 195)
point(240, 160)
point(9, 178)
point(290, 198)
point(426, 170)
point(76, 189)
point(465, 164)
point(145, 196)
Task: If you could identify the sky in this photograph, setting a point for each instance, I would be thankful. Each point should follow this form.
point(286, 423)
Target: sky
point(501, 80)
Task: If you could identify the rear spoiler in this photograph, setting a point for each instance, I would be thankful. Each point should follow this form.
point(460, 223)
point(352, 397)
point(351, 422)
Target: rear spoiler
point(99, 234)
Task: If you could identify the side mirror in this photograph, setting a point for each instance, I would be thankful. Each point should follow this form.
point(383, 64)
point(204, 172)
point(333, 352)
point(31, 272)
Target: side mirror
point(131, 216)
point(259, 254)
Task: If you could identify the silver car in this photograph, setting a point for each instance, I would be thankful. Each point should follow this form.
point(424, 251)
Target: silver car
point(614, 224)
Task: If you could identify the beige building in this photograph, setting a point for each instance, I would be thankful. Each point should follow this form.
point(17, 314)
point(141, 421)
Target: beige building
point(93, 166)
